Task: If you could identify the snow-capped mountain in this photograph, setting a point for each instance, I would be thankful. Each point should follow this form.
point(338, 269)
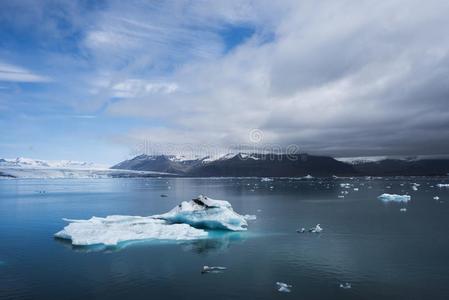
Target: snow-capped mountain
point(282, 165)
point(240, 164)
point(361, 159)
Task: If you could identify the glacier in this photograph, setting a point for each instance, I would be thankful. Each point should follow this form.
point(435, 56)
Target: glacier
point(394, 198)
point(28, 168)
point(190, 220)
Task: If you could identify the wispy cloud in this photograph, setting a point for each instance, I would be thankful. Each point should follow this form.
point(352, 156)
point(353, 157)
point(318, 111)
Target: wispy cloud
point(13, 73)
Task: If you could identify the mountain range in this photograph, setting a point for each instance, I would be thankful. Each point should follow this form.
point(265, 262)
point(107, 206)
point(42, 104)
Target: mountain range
point(283, 165)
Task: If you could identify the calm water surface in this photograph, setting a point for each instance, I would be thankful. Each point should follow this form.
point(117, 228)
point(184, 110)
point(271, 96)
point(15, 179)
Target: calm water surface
point(382, 252)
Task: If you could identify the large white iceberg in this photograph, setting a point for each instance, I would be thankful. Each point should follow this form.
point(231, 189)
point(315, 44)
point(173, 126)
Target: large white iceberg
point(394, 198)
point(204, 212)
point(187, 221)
point(115, 229)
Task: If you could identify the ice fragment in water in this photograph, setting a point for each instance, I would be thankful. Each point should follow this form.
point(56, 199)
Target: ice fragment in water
point(394, 198)
point(283, 287)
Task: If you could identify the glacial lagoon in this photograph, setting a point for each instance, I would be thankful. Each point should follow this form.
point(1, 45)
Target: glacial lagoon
point(368, 249)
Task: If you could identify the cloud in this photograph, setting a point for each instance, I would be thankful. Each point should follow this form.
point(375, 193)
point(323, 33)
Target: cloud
point(340, 78)
point(133, 87)
point(12, 73)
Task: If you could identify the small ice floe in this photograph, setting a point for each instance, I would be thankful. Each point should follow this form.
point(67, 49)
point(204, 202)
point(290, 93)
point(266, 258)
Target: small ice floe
point(345, 285)
point(345, 185)
point(442, 185)
point(266, 179)
point(316, 229)
point(216, 269)
point(356, 189)
point(250, 217)
point(301, 230)
point(394, 198)
point(341, 196)
point(403, 209)
point(436, 198)
point(283, 287)
point(414, 187)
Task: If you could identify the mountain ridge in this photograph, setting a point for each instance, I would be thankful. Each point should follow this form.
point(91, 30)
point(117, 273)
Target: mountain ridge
point(285, 165)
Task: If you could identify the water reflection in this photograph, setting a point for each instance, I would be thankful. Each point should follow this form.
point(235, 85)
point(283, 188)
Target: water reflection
point(219, 241)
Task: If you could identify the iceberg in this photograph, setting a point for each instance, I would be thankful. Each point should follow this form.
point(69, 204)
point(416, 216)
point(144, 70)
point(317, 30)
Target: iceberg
point(316, 229)
point(250, 217)
point(394, 198)
point(187, 221)
point(283, 287)
point(112, 230)
point(204, 212)
point(207, 269)
point(345, 285)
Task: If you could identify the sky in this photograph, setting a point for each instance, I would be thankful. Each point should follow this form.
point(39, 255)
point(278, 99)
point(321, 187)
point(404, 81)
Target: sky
point(102, 81)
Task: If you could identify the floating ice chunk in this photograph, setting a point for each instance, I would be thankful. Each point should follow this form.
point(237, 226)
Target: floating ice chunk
point(283, 287)
point(394, 198)
point(266, 179)
point(345, 285)
point(207, 269)
point(184, 222)
point(436, 198)
point(316, 229)
point(204, 212)
point(356, 189)
point(441, 185)
point(341, 196)
point(250, 217)
point(403, 209)
point(345, 185)
point(414, 187)
point(112, 230)
point(302, 230)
